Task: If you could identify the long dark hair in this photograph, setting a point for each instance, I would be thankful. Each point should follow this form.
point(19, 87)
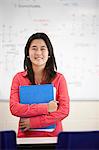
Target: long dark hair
point(50, 67)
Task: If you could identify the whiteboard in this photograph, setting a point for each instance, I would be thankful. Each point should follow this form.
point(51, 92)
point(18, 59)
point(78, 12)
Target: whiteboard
point(73, 27)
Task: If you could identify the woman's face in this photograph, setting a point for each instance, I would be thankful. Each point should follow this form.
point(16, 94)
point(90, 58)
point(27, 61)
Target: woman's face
point(38, 52)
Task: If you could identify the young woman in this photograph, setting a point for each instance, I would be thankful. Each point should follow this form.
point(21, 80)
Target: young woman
point(39, 68)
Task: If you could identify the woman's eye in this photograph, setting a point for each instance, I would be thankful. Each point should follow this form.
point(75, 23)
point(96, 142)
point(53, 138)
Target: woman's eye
point(34, 49)
point(43, 49)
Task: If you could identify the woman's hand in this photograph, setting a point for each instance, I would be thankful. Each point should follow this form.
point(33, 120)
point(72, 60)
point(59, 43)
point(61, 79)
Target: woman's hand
point(52, 106)
point(24, 124)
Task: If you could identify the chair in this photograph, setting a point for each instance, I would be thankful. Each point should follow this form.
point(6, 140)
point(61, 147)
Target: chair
point(78, 140)
point(8, 140)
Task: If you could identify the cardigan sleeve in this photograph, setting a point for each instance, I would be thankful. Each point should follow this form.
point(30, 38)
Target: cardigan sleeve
point(62, 111)
point(24, 110)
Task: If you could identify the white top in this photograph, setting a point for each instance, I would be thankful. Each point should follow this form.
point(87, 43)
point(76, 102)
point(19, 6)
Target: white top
point(37, 140)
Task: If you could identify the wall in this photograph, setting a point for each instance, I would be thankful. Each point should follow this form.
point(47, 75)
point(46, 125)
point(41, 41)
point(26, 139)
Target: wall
point(74, 24)
point(83, 116)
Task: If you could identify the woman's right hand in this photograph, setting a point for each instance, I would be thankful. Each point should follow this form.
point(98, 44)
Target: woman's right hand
point(52, 106)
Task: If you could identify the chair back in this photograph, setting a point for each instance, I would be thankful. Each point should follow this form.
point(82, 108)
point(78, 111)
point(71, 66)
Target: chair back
point(8, 140)
point(84, 140)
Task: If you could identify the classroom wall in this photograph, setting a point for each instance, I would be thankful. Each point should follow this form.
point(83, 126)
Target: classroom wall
point(84, 115)
point(73, 24)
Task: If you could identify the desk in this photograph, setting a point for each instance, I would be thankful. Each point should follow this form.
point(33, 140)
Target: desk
point(38, 143)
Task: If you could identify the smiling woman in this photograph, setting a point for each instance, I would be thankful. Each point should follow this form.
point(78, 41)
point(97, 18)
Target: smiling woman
point(39, 68)
point(38, 53)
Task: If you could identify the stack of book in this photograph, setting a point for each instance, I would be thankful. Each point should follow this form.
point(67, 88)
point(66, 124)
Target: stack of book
point(36, 94)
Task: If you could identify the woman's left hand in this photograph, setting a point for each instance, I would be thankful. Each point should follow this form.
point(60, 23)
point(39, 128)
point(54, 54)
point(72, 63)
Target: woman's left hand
point(24, 124)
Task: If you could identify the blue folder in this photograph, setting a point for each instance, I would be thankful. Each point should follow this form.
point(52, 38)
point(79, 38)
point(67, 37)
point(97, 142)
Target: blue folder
point(36, 94)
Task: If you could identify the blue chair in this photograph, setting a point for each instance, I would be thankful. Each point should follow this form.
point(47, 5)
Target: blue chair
point(8, 140)
point(78, 140)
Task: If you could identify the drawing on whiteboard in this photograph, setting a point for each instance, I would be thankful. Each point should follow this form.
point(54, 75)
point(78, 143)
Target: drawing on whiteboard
point(73, 27)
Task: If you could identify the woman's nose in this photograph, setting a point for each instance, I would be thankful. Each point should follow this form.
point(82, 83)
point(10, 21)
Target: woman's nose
point(38, 51)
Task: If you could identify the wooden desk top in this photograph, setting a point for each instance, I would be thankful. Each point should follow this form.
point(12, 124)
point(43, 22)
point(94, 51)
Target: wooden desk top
point(37, 140)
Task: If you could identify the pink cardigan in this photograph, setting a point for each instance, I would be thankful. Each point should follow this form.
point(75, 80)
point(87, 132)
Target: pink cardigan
point(38, 113)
